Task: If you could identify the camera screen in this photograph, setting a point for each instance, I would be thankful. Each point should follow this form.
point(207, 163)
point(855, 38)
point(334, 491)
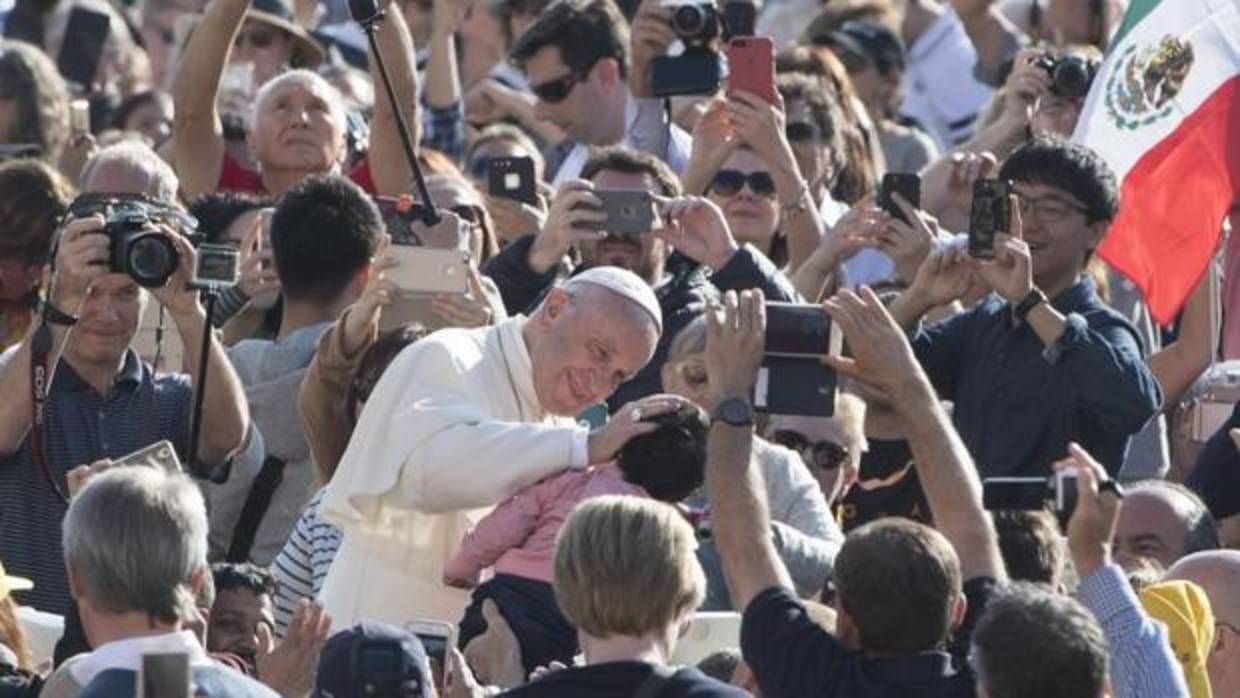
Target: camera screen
point(216, 264)
point(1014, 493)
point(796, 330)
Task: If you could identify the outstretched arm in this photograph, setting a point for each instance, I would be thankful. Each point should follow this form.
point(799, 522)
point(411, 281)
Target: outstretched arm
point(388, 165)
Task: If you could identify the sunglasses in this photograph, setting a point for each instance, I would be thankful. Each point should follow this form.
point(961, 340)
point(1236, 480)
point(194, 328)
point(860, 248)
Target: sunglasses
point(827, 455)
point(557, 90)
point(729, 183)
point(258, 38)
point(799, 132)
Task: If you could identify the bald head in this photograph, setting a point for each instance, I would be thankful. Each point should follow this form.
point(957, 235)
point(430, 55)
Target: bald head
point(1218, 572)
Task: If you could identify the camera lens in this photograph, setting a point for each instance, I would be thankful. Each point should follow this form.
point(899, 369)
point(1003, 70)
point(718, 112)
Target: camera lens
point(151, 259)
point(1071, 77)
point(688, 21)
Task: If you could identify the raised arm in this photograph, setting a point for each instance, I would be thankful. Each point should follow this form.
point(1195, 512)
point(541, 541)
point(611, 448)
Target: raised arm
point(388, 165)
point(1178, 365)
point(994, 38)
point(197, 133)
point(740, 517)
point(883, 359)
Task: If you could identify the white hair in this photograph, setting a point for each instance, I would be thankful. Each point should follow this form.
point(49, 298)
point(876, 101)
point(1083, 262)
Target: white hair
point(139, 167)
point(335, 100)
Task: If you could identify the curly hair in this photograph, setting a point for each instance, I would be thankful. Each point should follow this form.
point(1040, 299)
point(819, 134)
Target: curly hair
point(30, 78)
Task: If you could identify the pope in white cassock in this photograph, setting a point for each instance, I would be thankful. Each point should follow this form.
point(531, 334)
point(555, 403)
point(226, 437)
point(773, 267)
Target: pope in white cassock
point(464, 419)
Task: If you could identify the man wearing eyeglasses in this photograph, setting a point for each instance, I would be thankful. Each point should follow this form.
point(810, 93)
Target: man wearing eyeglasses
point(1042, 361)
point(576, 58)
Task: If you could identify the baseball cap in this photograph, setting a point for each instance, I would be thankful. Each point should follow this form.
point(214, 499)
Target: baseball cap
point(9, 584)
point(871, 41)
point(1185, 609)
point(371, 659)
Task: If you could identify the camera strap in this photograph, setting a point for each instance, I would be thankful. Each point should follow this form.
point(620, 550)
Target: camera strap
point(40, 349)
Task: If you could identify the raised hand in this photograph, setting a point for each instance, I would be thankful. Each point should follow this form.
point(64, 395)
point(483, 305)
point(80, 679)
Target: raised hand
point(697, 228)
point(761, 125)
point(1097, 510)
point(289, 667)
point(377, 295)
point(735, 338)
point(470, 310)
point(81, 258)
point(907, 244)
point(630, 422)
point(652, 35)
point(944, 276)
point(573, 205)
point(881, 357)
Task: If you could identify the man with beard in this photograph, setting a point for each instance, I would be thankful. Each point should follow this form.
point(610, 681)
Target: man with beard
point(709, 259)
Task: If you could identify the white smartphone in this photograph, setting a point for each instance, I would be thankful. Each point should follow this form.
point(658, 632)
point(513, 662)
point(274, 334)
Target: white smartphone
point(426, 270)
point(79, 117)
point(436, 638)
point(160, 454)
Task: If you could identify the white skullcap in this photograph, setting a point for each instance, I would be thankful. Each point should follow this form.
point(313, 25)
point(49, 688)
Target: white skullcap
point(623, 283)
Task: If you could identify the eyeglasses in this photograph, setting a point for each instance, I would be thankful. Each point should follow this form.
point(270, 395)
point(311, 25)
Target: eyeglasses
point(258, 38)
point(800, 132)
point(827, 455)
point(1048, 209)
point(729, 183)
point(557, 90)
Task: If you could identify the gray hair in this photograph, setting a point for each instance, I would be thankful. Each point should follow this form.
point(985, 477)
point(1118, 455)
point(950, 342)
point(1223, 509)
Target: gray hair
point(335, 100)
point(141, 169)
point(133, 540)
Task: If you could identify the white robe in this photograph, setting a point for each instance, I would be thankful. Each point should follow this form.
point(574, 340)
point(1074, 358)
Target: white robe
point(453, 428)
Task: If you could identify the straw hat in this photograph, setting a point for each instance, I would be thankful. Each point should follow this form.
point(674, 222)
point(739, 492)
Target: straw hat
point(307, 52)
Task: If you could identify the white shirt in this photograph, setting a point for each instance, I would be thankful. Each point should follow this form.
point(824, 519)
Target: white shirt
point(940, 90)
point(453, 428)
point(645, 129)
point(127, 654)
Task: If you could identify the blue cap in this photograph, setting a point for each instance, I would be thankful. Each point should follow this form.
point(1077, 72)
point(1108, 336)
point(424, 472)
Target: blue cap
point(372, 659)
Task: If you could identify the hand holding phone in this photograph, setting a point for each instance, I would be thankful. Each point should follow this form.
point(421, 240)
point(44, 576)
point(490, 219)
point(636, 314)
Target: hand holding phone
point(513, 178)
point(628, 212)
point(436, 638)
point(907, 185)
point(990, 214)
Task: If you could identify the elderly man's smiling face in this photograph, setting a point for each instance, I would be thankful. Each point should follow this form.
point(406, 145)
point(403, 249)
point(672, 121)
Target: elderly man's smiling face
point(586, 342)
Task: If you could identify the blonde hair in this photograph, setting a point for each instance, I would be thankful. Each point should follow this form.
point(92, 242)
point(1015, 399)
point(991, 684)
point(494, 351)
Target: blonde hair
point(11, 634)
point(627, 566)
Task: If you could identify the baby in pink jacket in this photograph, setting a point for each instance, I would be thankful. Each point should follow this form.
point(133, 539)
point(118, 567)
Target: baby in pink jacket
point(518, 538)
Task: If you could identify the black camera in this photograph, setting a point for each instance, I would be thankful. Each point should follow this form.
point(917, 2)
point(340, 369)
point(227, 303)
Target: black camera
point(1071, 76)
point(699, 68)
point(138, 228)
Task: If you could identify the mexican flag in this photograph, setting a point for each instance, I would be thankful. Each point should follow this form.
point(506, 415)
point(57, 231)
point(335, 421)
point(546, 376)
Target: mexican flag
point(1164, 111)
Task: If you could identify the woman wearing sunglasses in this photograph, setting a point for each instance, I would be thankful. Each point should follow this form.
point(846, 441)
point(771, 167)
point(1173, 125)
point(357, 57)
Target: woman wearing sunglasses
point(743, 162)
point(806, 535)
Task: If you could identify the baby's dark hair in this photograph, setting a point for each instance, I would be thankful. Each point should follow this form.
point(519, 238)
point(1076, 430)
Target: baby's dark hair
point(670, 462)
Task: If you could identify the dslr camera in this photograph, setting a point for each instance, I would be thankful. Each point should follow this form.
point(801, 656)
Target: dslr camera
point(1071, 76)
point(699, 68)
point(140, 245)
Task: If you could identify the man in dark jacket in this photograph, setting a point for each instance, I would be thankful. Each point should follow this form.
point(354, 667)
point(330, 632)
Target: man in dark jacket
point(707, 258)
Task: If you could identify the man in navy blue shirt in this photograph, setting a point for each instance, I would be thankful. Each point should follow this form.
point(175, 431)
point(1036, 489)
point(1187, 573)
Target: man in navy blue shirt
point(1042, 361)
point(907, 595)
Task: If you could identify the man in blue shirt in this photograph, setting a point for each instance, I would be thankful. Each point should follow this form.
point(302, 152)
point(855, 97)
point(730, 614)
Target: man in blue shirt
point(1042, 361)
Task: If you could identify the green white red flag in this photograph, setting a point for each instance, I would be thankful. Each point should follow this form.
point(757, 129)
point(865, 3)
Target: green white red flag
point(1164, 111)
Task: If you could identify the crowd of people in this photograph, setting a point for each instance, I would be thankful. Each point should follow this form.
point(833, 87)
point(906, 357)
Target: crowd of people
point(436, 355)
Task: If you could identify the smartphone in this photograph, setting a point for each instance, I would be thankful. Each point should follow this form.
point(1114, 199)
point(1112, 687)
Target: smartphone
point(427, 270)
point(751, 66)
point(165, 675)
point(86, 35)
point(907, 185)
point(990, 214)
point(799, 330)
point(160, 454)
point(629, 211)
point(79, 117)
point(512, 178)
point(436, 638)
point(399, 214)
point(795, 386)
point(739, 17)
point(1032, 493)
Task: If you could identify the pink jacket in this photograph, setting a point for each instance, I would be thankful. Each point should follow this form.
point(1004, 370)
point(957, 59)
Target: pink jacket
point(518, 537)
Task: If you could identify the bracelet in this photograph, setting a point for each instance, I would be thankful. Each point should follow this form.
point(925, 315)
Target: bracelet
point(800, 205)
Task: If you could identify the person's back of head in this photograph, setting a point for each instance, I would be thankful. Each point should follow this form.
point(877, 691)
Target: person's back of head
point(1069, 167)
point(40, 98)
point(134, 539)
point(323, 233)
point(626, 566)
point(1031, 546)
point(898, 587)
point(1033, 643)
point(584, 31)
point(33, 198)
point(669, 462)
point(130, 167)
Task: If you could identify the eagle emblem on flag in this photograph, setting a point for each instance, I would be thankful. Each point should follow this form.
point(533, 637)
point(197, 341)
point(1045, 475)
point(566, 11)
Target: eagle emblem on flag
point(1145, 80)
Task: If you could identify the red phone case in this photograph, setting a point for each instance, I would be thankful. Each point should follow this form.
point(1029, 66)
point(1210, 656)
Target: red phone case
point(751, 66)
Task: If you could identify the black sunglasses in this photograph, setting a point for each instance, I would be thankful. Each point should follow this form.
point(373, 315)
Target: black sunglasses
point(729, 183)
point(823, 454)
point(799, 132)
point(557, 90)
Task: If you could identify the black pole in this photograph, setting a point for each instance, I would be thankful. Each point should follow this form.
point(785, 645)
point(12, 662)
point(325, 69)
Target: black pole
point(200, 387)
point(368, 15)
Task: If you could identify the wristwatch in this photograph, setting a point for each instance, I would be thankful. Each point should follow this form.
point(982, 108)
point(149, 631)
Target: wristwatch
point(734, 411)
point(51, 314)
point(1031, 301)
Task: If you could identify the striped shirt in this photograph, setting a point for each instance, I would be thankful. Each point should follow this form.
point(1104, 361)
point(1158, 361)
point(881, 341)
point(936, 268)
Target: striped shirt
point(82, 427)
point(302, 565)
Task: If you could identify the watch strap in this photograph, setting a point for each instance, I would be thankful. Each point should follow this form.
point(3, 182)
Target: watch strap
point(733, 411)
point(53, 315)
point(1031, 301)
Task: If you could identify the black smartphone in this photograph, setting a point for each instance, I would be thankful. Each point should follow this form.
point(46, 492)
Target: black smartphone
point(907, 185)
point(989, 215)
point(629, 211)
point(86, 34)
point(512, 178)
point(165, 675)
point(739, 17)
point(399, 214)
point(1032, 493)
point(795, 386)
point(797, 330)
